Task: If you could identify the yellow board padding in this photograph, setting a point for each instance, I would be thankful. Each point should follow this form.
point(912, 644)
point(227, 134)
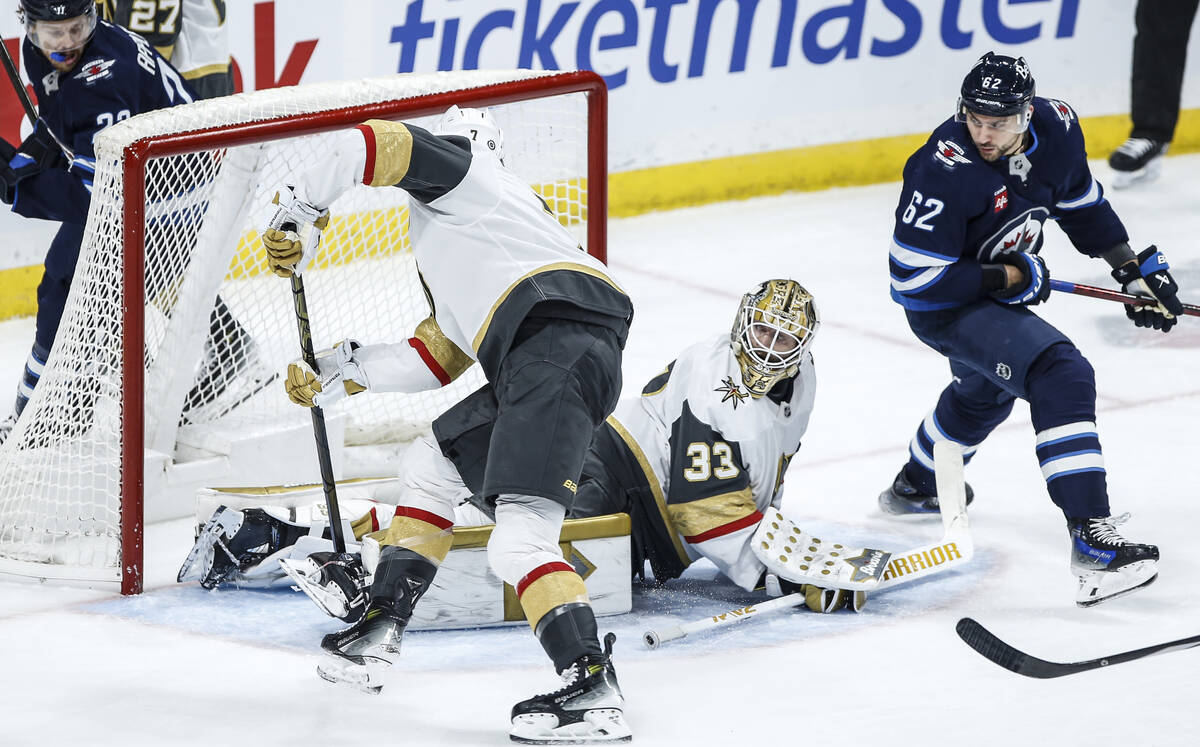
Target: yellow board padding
point(19, 297)
point(820, 167)
point(661, 188)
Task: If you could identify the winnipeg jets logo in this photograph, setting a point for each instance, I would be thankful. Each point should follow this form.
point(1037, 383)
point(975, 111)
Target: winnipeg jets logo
point(94, 71)
point(999, 199)
point(950, 153)
point(1064, 112)
point(733, 393)
point(1021, 234)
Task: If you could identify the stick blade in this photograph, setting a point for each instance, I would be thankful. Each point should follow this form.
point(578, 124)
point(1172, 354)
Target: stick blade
point(998, 652)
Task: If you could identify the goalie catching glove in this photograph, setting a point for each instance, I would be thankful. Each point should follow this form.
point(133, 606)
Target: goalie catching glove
point(282, 239)
point(1150, 278)
point(340, 376)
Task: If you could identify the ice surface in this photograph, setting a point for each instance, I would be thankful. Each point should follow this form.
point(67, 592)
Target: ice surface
point(183, 666)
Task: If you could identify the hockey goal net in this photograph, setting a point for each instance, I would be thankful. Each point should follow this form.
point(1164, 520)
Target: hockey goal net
point(164, 374)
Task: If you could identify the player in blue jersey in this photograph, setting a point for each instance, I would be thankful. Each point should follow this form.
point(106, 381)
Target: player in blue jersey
point(964, 265)
point(87, 74)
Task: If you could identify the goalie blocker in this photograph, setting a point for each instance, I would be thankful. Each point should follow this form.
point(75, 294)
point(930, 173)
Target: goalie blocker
point(465, 593)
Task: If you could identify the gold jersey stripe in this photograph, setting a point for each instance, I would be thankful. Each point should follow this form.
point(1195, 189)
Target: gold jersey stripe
point(550, 591)
point(449, 356)
point(393, 152)
point(572, 266)
point(660, 499)
point(697, 517)
point(203, 70)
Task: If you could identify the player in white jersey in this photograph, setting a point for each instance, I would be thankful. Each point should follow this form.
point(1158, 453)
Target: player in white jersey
point(190, 34)
point(510, 288)
point(696, 461)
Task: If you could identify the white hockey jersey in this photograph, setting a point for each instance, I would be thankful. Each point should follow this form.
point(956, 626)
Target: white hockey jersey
point(717, 456)
point(487, 247)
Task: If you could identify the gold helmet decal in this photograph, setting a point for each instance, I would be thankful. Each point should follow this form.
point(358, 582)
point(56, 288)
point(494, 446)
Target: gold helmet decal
point(774, 327)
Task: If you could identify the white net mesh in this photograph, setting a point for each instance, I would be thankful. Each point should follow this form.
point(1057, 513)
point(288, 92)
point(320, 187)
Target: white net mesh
point(219, 328)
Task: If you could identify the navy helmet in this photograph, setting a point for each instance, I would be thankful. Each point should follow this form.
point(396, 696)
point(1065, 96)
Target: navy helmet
point(997, 86)
point(63, 36)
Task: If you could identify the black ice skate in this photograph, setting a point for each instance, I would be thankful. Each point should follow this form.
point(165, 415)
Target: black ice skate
point(6, 426)
point(360, 654)
point(1137, 159)
point(338, 584)
point(902, 499)
point(587, 710)
point(232, 541)
point(232, 372)
point(1108, 565)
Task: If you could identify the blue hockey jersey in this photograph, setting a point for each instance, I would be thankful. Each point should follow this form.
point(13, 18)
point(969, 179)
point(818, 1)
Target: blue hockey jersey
point(118, 76)
point(958, 211)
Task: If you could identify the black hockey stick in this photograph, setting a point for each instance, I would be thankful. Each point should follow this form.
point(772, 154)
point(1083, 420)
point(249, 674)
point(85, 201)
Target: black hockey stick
point(318, 419)
point(992, 648)
point(1092, 291)
point(14, 78)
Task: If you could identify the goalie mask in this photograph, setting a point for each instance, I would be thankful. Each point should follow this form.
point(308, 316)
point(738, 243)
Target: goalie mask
point(476, 125)
point(773, 329)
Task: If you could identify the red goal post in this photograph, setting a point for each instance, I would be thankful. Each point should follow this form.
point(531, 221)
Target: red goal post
point(174, 192)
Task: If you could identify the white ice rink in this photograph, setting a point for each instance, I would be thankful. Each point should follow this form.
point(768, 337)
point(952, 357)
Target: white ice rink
point(182, 666)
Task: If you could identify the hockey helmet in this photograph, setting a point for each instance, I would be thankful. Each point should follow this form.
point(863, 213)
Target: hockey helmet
point(998, 86)
point(772, 331)
point(476, 125)
point(58, 25)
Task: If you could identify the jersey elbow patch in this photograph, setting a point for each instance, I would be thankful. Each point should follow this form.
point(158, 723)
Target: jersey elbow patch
point(1092, 196)
point(389, 152)
point(709, 518)
point(446, 360)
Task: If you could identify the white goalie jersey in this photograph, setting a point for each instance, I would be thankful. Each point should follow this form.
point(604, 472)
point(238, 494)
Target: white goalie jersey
point(718, 454)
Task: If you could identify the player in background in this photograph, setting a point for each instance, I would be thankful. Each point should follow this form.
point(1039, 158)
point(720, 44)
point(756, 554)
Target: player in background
point(696, 461)
point(964, 266)
point(190, 34)
point(510, 288)
point(87, 74)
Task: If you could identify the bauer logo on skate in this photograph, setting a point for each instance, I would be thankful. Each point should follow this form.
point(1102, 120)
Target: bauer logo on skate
point(917, 562)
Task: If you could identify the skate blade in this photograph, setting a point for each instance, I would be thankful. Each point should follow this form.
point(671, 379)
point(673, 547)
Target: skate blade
point(599, 726)
point(228, 400)
point(199, 561)
point(367, 677)
point(904, 509)
point(1102, 586)
point(304, 574)
point(1150, 172)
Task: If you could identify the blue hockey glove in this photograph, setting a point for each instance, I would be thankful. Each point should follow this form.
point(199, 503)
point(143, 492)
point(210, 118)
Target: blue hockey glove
point(39, 152)
point(1036, 287)
point(1150, 278)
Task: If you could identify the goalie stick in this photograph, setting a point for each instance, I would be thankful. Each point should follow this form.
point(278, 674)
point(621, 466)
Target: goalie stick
point(948, 472)
point(1092, 291)
point(997, 651)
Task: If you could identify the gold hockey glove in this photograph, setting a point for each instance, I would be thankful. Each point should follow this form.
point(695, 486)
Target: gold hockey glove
point(282, 237)
point(338, 365)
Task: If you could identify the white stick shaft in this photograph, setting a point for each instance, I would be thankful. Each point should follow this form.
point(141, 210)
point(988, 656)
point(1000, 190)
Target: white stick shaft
point(653, 639)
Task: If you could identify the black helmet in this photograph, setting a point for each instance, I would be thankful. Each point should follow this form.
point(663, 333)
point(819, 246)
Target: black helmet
point(77, 35)
point(997, 86)
point(54, 10)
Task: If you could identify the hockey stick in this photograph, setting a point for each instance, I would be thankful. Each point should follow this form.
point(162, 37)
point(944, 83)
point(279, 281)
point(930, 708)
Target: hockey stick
point(14, 78)
point(997, 651)
point(1092, 291)
point(318, 419)
point(954, 549)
